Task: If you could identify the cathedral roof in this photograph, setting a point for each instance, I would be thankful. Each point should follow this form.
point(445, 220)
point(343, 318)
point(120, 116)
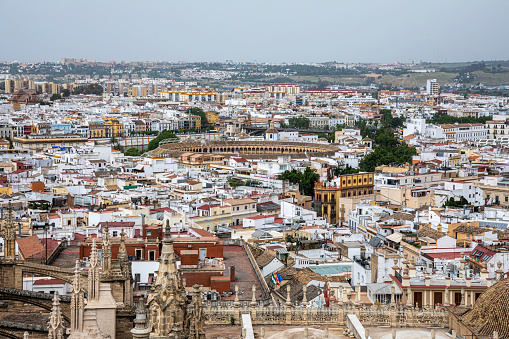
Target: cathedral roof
point(491, 311)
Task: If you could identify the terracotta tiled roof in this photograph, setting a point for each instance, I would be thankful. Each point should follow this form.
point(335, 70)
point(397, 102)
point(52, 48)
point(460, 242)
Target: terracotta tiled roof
point(31, 247)
point(399, 216)
point(490, 311)
point(474, 230)
point(49, 282)
point(262, 257)
point(429, 232)
point(234, 202)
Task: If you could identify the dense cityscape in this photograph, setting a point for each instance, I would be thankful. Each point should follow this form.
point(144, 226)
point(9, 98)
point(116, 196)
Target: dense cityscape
point(243, 200)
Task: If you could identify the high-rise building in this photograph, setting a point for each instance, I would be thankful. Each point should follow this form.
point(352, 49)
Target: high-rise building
point(432, 87)
point(9, 86)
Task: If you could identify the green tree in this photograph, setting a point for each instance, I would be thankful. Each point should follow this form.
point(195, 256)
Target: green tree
point(199, 112)
point(154, 143)
point(66, 93)
point(55, 96)
point(448, 119)
point(453, 203)
point(114, 143)
point(387, 150)
point(299, 122)
point(133, 152)
point(95, 89)
point(347, 170)
point(305, 180)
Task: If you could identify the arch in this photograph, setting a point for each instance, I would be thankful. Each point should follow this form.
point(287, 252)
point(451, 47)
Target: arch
point(48, 273)
point(8, 334)
point(42, 303)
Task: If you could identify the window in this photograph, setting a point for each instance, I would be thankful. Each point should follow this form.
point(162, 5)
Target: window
point(137, 277)
point(149, 233)
point(115, 233)
point(245, 207)
point(253, 206)
point(139, 254)
point(151, 255)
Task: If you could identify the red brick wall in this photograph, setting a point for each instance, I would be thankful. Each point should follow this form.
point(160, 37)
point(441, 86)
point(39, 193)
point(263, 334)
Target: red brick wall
point(189, 259)
point(220, 285)
point(200, 278)
point(213, 250)
point(131, 250)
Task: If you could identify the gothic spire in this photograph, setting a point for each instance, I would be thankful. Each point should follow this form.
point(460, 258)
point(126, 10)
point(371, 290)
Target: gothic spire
point(93, 274)
point(106, 250)
point(55, 324)
point(9, 235)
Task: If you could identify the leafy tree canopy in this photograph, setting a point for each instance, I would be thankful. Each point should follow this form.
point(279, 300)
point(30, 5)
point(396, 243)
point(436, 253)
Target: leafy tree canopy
point(133, 152)
point(448, 119)
point(95, 89)
point(154, 143)
point(387, 147)
point(55, 96)
point(199, 112)
point(298, 122)
point(453, 203)
point(306, 179)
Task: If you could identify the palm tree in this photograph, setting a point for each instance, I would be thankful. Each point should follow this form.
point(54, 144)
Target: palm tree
point(114, 143)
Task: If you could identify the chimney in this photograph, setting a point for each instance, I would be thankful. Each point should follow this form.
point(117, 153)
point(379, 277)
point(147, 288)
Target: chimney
point(232, 273)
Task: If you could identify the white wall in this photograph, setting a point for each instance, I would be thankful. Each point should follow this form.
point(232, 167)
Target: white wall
point(144, 268)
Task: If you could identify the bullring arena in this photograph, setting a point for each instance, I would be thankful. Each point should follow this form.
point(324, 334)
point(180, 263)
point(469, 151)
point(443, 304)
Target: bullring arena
point(246, 148)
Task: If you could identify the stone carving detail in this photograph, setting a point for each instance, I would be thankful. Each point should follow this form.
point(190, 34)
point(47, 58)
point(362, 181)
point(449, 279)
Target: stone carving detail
point(369, 315)
point(171, 314)
point(9, 235)
point(55, 323)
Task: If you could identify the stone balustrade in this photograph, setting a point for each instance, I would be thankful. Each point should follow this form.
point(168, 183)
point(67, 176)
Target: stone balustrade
point(372, 315)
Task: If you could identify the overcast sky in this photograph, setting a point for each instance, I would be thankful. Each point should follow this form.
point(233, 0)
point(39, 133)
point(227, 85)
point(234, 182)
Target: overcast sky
point(263, 30)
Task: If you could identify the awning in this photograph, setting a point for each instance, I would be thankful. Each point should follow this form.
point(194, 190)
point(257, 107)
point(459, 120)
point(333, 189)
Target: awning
point(395, 237)
point(282, 251)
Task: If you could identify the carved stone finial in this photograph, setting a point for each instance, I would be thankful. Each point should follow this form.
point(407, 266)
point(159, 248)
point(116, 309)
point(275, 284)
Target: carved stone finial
point(141, 328)
point(253, 300)
point(393, 333)
point(304, 296)
point(55, 323)
point(237, 302)
point(288, 299)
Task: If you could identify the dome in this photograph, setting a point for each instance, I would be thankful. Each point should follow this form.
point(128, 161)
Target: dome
point(490, 311)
